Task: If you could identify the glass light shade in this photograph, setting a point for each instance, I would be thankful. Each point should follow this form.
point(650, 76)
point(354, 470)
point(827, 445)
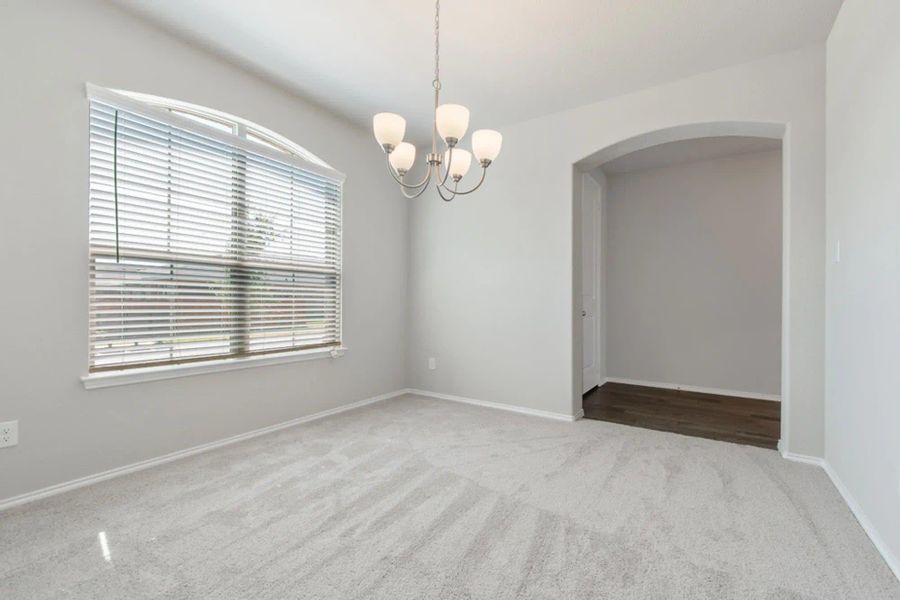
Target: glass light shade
point(403, 157)
point(452, 120)
point(459, 163)
point(486, 144)
point(389, 128)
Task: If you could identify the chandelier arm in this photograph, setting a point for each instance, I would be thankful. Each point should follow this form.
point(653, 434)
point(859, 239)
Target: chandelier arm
point(443, 197)
point(414, 194)
point(457, 192)
point(408, 186)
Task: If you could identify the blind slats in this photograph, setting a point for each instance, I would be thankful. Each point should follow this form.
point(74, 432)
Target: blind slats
point(222, 252)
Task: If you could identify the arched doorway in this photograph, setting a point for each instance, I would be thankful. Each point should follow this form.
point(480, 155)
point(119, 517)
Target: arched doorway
point(584, 186)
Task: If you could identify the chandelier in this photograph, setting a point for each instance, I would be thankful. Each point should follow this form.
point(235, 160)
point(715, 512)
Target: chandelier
point(450, 124)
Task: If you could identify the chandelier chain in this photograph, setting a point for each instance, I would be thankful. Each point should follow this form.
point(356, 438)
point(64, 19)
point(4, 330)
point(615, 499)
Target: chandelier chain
point(437, 44)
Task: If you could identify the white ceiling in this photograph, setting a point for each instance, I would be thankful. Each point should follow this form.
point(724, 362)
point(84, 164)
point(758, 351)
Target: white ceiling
point(507, 60)
point(687, 151)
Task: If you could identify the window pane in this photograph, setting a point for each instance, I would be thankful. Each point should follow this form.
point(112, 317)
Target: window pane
point(146, 311)
point(208, 121)
point(253, 137)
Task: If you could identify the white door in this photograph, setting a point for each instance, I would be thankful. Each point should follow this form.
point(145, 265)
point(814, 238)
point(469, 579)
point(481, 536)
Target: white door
point(590, 206)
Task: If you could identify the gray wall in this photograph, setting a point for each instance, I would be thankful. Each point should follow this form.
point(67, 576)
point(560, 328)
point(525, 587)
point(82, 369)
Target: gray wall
point(50, 49)
point(693, 288)
point(863, 291)
point(495, 279)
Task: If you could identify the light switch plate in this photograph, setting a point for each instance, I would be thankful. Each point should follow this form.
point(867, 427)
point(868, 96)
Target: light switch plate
point(432, 363)
point(9, 434)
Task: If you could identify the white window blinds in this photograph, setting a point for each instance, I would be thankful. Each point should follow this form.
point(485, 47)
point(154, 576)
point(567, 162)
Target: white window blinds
point(205, 246)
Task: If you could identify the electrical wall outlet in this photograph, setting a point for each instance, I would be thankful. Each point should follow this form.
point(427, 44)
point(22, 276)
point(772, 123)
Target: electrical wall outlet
point(432, 363)
point(9, 434)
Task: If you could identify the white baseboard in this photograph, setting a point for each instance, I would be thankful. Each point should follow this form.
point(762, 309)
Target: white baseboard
point(694, 388)
point(892, 561)
point(803, 458)
point(500, 406)
point(60, 488)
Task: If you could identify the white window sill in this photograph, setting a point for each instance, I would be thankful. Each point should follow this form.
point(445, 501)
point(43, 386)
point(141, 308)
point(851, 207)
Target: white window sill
point(129, 376)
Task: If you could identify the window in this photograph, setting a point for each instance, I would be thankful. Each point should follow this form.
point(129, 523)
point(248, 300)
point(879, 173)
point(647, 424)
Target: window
point(210, 237)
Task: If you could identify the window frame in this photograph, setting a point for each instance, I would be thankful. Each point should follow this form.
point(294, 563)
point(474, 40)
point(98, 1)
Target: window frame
point(178, 114)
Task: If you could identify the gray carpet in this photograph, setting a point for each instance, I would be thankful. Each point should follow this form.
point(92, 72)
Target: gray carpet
point(419, 498)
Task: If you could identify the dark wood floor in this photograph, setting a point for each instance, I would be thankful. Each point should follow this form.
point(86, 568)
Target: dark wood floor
point(726, 418)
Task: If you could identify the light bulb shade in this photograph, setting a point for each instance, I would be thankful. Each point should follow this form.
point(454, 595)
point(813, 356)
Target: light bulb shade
point(389, 128)
point(403, 157)
point(486, 144)
point(452, 120)
point(459, 162)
